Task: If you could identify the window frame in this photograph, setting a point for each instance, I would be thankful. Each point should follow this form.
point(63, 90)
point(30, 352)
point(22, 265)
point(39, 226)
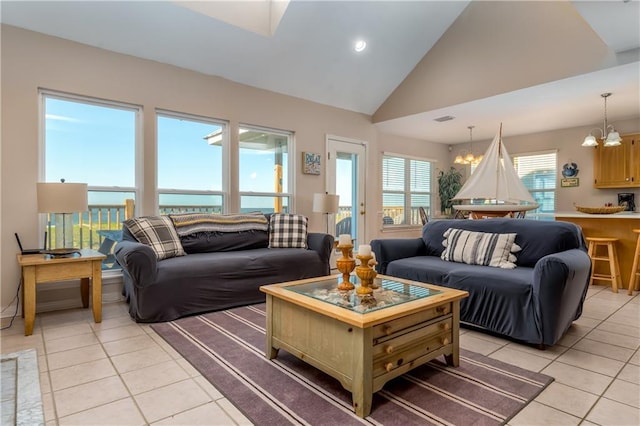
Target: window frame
point(43, 95)
point(291, 166)
point(224, 124)
point(541, 215)
point(407, 188)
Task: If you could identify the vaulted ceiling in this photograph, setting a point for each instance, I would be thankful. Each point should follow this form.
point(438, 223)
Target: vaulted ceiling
point(408, 74)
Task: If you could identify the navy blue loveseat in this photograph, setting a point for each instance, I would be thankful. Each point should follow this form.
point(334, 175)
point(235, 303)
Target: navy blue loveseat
point(535, 302)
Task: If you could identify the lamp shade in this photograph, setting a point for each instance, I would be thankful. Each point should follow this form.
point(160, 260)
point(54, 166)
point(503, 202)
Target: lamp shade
point(325, 203)
point(613, 139)
point(62, 197)
point(590, 141)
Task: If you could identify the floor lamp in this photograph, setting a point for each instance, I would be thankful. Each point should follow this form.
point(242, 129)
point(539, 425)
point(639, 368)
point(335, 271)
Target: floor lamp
point(326, 204)
point(62, 198)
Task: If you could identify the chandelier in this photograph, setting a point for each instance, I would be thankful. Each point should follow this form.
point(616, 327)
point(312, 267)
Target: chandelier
point(611, 138)
point(468, 158)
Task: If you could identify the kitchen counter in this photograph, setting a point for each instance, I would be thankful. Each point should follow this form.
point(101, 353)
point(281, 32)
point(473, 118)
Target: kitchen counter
point(616, 225)
point(620, 215)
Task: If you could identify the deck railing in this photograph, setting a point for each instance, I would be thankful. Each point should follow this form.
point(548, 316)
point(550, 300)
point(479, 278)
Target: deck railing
point(100, 227)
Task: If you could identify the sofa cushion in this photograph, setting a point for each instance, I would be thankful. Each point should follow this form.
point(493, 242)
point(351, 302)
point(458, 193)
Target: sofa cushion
point(209, 242)
point(479, 248)
point(158, 233)
point(208, 233)
point(288, 231)
point(536, 238)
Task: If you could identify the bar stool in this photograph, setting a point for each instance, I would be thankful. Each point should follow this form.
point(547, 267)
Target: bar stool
point(633, 278)
point(611, 258)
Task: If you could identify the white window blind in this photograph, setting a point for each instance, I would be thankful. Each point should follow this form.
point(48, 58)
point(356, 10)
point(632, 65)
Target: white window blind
point(538, 172)
point(406, 186)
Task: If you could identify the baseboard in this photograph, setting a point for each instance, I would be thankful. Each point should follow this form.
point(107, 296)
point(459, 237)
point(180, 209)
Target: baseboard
point(66, 295)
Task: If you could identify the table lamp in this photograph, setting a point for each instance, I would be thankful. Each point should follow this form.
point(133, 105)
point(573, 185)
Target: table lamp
point(62, 198)
point(327, 204)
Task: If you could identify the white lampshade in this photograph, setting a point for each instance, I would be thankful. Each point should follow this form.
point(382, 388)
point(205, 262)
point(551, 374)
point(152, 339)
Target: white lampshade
point(325, 203)
point(613, 139)
point(590, 141)
point(62, 197)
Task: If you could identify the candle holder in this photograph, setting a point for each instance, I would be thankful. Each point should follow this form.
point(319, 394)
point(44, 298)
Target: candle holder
point(346, 265)
point(374, 284)
point(366, 275)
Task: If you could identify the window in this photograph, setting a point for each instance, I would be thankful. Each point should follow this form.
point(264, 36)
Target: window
point(264, 170)
point(406, 186)
point(538, 173)
point(90, 141)
point(190, 163)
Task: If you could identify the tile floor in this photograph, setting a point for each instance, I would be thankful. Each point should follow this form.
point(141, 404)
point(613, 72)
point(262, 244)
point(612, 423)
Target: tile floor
point(122, 373)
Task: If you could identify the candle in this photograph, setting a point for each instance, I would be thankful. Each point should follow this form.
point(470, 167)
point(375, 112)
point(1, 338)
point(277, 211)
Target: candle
point(364, 250)
point(344, 240)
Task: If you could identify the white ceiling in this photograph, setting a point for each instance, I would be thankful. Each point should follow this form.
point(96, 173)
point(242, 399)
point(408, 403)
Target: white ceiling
point(310, 55)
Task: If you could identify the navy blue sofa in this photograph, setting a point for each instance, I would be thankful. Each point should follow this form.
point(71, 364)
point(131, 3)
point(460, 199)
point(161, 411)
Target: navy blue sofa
point(220, 271)
point(536, 302)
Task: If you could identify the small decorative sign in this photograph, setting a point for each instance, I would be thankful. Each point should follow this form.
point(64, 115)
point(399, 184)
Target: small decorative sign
point(310, 163)
point(569, 182)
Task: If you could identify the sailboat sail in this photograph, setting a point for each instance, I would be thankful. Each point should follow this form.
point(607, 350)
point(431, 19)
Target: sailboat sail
point(496, 179)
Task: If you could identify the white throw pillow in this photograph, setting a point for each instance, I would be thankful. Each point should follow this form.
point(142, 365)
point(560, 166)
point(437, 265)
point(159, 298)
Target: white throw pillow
point(480, 248)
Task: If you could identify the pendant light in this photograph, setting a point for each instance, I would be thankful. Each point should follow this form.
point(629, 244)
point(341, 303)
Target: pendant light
point(469, 158)
point(610, 138)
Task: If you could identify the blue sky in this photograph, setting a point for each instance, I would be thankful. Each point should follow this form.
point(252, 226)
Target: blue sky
point(96, 145)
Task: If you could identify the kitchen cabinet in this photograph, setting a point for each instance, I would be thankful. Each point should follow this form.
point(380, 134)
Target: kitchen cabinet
point(618, 166)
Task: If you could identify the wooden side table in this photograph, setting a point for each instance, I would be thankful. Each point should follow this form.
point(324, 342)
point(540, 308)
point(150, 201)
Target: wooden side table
point(40, 268)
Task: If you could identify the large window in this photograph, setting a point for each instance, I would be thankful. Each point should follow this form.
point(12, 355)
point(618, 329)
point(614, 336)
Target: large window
point(90, 141)
point(406, 186)
point(264, 170)
point(191, 171)
point(538, 172)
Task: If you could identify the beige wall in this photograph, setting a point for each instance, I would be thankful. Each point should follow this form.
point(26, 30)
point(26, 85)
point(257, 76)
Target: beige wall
point(567, 142)
point(495, 47)
point(31, 61)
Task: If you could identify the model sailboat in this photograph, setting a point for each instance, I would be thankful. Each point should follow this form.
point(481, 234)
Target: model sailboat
point(496, 185)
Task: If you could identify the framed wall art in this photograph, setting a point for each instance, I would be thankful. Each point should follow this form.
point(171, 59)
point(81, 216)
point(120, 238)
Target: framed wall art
point(310, 163)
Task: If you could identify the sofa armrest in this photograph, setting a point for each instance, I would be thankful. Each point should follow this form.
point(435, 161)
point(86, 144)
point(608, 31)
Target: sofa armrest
point(322, 244)
point(560, 284)
point(388, 250)
point(139, 261)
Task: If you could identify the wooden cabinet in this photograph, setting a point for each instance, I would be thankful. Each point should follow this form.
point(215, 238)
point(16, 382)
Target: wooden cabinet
point(618, 166)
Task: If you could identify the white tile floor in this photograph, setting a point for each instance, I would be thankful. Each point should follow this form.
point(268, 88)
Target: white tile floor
point(122, 373)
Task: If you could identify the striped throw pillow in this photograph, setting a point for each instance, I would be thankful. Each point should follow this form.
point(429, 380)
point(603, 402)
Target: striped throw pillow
point(158, 233)
point(480, 248)
point(288, 231)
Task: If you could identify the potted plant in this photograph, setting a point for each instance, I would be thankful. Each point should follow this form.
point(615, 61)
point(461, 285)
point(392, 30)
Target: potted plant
point(449, 183)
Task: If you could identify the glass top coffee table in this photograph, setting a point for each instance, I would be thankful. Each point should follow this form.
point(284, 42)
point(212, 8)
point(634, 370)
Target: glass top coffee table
point(363, 341)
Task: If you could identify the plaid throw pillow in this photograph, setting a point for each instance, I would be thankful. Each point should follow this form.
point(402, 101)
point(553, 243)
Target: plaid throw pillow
point(480, 248)
point(158, 233)
point(288, 231)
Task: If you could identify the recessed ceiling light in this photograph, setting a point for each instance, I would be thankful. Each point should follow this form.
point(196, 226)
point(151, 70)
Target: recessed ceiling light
point(360, 45)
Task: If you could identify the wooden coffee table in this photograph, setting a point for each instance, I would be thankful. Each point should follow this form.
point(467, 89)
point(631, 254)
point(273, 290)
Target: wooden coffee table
point(363, 346)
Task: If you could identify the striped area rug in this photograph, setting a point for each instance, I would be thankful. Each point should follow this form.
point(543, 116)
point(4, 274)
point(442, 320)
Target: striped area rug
point(227, 347)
